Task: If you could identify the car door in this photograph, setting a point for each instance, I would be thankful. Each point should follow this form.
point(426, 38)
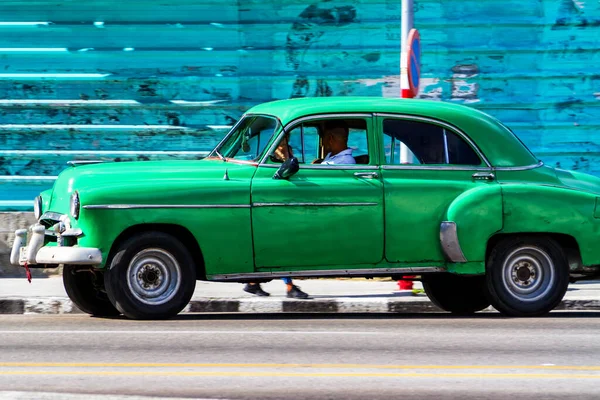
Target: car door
point(324, 216)
point(427, 165)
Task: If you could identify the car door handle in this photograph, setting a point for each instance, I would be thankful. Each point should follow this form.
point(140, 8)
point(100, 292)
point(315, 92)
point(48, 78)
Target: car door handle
point(484, 176)
point(366, 175)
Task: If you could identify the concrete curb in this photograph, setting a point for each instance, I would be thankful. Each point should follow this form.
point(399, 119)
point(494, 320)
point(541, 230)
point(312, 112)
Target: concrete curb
point(62, 305)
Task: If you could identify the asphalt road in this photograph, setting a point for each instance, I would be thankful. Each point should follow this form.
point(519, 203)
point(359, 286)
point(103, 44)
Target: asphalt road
point(303, 356)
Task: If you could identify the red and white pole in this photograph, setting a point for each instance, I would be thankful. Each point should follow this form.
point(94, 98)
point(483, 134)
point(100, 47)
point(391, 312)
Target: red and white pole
point(406, 24)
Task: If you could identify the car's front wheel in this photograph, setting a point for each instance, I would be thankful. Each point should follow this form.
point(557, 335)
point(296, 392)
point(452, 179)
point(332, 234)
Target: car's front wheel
point(151, 276)
point(527, 276)
point(86, 290)
point(457, 294)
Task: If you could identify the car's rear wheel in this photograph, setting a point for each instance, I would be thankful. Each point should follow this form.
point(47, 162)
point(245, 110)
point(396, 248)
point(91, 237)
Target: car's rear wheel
point(86, 290)
point(458, 294)
point(151, 276)
point(527, 276)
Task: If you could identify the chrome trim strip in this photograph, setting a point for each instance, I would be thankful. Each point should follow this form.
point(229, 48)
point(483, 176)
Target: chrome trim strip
point(319, 273)
point(525, 168)
point(327, 166)
point(338, 166)
point(145, 206)
point(435, 168)
point(75, 163)
point(297, 121)
point(312, 204)
point(442, 124)
point(450, 243)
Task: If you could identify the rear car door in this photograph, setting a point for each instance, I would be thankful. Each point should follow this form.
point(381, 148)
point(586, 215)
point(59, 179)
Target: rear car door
point(427, 165)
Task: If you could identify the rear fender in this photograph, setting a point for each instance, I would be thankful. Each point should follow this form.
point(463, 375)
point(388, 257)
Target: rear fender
point(476, 215)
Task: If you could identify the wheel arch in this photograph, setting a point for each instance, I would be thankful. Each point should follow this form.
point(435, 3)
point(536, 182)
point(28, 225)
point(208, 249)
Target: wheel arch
point(567, 242)
point(177, 231)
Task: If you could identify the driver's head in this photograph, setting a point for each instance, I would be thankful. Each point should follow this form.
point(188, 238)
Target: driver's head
point(283, 150)
point(335, 136)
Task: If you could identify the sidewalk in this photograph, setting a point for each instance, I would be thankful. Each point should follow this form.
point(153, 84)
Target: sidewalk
point(47, 296)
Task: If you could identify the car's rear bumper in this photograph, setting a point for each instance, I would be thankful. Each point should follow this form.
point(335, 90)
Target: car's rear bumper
point(35, 253)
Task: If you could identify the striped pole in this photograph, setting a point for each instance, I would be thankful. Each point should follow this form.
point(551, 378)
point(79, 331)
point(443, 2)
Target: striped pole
point(406, 24)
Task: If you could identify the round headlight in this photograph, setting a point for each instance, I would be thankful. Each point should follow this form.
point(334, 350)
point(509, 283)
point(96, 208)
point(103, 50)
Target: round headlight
point(37, 207)
point(75, 205)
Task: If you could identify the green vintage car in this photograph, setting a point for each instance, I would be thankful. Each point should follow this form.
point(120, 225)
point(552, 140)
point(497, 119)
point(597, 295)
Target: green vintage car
point(437, 190)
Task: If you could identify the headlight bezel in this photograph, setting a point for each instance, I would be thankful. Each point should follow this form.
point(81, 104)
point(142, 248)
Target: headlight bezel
point(37, 207)
point(75, 205)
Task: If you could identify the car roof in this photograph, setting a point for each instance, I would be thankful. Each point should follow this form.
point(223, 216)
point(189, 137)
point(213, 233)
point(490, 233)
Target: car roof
point(500, 146)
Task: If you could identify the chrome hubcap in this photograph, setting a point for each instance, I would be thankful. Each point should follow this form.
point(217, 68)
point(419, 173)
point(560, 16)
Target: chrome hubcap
point(528, 273)
point(154, 276)
point(523, 274)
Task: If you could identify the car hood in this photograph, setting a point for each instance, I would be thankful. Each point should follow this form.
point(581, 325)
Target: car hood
point(153, 182)
point(579, 180)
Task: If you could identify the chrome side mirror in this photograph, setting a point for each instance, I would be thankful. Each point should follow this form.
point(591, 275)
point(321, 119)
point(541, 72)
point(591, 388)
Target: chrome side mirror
point(287, 169)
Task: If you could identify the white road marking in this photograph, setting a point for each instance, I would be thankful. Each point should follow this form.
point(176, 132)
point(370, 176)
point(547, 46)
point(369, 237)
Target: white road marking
point(75, 396)
point(146, 332)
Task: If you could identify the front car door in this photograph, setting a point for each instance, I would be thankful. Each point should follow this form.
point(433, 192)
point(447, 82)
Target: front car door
point(324, 216)
point(427, 165)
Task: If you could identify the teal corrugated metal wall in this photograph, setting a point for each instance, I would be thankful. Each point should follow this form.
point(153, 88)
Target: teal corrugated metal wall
point(153, 79)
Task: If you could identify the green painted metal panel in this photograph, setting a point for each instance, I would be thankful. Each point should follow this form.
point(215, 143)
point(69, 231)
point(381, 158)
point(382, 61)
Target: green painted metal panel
point(179, 72)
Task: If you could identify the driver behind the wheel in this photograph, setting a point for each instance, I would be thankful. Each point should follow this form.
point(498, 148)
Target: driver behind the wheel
point(335, 144)
point(283, 150)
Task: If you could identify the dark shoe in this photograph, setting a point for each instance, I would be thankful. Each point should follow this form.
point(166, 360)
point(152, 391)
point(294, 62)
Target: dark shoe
point(255, 289)
point(296, 293)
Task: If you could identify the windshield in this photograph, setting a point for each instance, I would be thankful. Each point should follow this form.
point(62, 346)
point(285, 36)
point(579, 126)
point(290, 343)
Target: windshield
point(248, 139)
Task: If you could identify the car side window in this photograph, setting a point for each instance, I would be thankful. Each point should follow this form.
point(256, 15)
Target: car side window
point(305, 141)
point(250, 138)
point(416, 142)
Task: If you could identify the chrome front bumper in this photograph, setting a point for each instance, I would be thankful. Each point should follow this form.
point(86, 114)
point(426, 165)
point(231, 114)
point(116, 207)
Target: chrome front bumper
point(35, 252)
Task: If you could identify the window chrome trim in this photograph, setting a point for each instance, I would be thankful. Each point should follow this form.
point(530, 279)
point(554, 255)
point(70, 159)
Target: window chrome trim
point(303, 147)
point(524, 168)
point(300, 120)
point(446, 151)
point(327, 167)
point(218, 146)
point(435, 167)
point(314, 204)
point(154, 206)
point(442, 124)
point(332, 273)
